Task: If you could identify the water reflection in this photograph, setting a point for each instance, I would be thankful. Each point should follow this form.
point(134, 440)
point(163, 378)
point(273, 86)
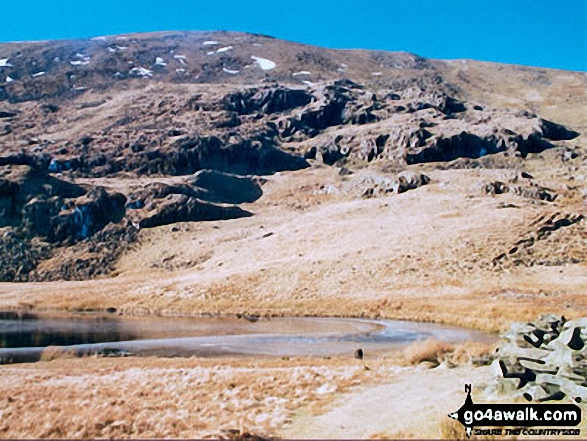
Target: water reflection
point(27, 331)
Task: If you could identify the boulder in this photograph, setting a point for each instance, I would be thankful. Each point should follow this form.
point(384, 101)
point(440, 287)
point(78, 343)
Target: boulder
point(227, 188)
point(181, 208)
point(543, 361)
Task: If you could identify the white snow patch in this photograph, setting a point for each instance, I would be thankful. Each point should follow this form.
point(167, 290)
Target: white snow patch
point(180, 71)
point(160, 62)
point(82, 60)
point(181, 59)
point(122, 38)
point(264, 63)
point(116, 48)
point(376, 74)
point(229, 71)
point(38, 74)
point(209, 43)
point(308, 83)
point(9, 80)
point(79, 88)
point(301, 72)
point(141, 71)
point(224, 49)
point(4, 62)
point(99, 39)
point(210, 53)
point(257, 44)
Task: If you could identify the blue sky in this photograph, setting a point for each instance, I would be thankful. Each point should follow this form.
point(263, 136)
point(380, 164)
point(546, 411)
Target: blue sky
point(547, 33)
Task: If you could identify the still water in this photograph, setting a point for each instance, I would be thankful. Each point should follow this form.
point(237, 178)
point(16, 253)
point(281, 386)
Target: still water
point(24, 337)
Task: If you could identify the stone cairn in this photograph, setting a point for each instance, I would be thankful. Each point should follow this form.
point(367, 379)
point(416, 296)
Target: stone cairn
point(543, 361)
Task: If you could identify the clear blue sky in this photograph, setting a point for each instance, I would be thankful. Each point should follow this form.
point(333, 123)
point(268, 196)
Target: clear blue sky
point(548, 33)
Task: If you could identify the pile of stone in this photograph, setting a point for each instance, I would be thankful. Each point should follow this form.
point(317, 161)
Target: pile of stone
point(543, 361)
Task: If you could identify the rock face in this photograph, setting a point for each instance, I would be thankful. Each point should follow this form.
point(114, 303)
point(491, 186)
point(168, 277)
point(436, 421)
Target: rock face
point(268, 101)
point(256, 155)
point(53, 209)
point(21, 184)
point(76, 219)
point(57, 210)
point(543, 361)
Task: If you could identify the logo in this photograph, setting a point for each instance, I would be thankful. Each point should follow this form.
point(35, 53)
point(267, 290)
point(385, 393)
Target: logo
point(519, 416)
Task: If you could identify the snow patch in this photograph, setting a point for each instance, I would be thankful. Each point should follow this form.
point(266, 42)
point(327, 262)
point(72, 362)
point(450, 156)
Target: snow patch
point(223, 49)
point(82, 60)
point(209, 43)
point(9, 80)
point(4, 62)
point(181, 58)
point(210, 53)
point(180, 71)
point(229, 71)
point(308, 83)
point(141, 72)
point(264, 63)
point(116, 48)
point(38, 74)
point(160, 62)
point(99, 39)
point(301, 72)
point(376, 74)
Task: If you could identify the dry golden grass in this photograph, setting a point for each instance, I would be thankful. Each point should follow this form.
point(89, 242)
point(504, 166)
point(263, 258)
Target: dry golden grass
point(451, 429)
point(178, 398)
point(427, 351)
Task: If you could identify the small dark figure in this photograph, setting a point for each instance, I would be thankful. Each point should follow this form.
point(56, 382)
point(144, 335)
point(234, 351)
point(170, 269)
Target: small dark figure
point(359, 354)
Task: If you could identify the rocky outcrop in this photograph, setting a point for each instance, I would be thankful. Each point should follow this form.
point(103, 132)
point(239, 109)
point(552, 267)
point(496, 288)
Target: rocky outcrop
point(268, 101)
point(402, 183)
point(529, 250)
point(545, 360)
point(250, 156)
point(161, 203)
point(19, 185)
point(180, 208)
point(530, 190)
point(227, 188)
point(74, 219)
